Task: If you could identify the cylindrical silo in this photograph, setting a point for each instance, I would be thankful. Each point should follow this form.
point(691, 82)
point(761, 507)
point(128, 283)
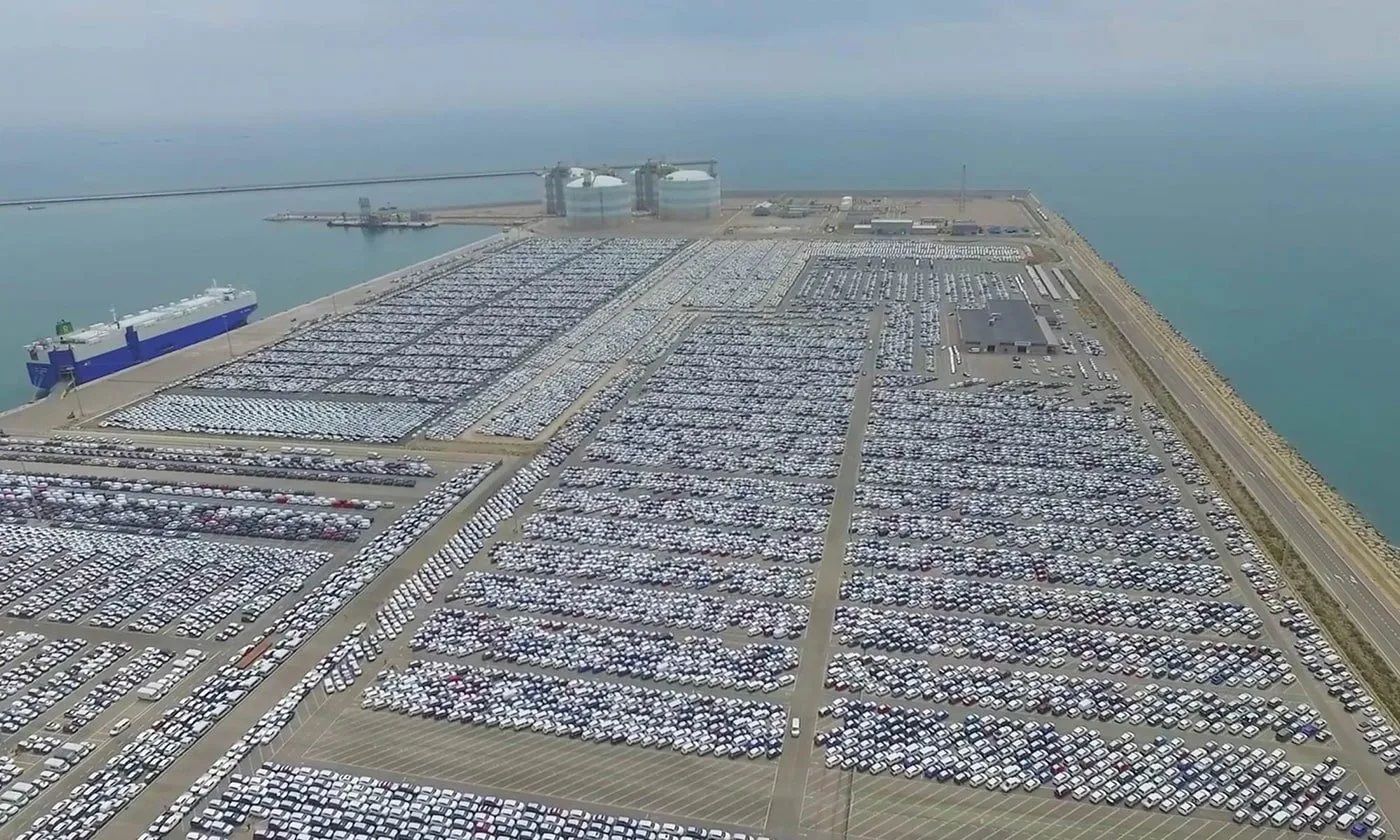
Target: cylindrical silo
point(597, 201)
point(689, 194)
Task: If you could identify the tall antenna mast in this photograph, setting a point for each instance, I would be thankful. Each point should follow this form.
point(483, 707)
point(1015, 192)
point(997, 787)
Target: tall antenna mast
point(962, 192)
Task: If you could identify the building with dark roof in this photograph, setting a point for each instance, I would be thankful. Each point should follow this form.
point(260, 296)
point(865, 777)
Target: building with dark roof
point(1005, 326)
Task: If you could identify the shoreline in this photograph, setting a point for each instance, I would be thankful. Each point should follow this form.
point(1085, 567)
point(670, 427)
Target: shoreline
point(1164, 585)
point(1306, 481)
point(1314, 478)
point(166, 371)
point(1361, 634)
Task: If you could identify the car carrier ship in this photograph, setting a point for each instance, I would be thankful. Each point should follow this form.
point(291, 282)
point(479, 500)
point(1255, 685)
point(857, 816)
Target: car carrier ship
point(80, 356)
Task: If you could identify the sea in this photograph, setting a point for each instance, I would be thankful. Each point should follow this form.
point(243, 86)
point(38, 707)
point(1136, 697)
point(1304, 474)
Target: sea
point(1259, 222)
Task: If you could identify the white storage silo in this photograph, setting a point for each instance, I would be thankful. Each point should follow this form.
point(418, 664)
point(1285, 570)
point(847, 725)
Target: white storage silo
point(597, 201)
point(689, 194)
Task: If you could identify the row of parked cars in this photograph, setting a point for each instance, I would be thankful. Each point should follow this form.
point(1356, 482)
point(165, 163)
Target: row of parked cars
point(464, 545)
point(616, 713)
point(1163, 774)
point(679, 537)
point(450, 335)
point(813, 446)
point(150, 751)
point(141, 583)
point(187, 489)
point(60, 760)
point(723, 512)
point(1141, 655)
point(690, 571)
point(39, 695)
point(653, 655)
point(880, 496)
point(13, 645)
point(1326, 666)
point(764, 396)
point(337, 670)
point(21, 676)
point(112, 688)
point(506, 392)
point(378, 421)
point(1064, 695)
point(1097, 572)
point(742, 275)
point(1056, 430)
point(1008, 403)
point(302, 463)
point(290, 802)
point(1015, 447)
point(678, 485)
point(630, 605)
point(1053, 537)
point(673, 406)
point(920, 250)
point(35, 498)
point(891, 474)
point(867, 282)
point(1196, 616)
point(714, 457)
point(636, 325)
point(896, 351)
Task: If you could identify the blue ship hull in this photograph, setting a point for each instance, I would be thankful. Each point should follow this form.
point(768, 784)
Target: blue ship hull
point(61, 364)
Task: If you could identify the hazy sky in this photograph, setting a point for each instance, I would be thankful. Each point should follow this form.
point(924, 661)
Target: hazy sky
point(99, 62)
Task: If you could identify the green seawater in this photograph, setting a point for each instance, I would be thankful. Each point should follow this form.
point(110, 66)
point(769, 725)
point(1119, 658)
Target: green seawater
point(1259, 222)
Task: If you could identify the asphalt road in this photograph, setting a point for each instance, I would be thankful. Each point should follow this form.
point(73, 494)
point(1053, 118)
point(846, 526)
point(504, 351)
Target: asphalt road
point(1338, 569)
point(133, 819)
point(881, 806)
point(785, 809)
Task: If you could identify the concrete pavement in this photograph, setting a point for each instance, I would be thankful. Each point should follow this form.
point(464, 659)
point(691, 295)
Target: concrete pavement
point(1364, 588)
point(785, 811)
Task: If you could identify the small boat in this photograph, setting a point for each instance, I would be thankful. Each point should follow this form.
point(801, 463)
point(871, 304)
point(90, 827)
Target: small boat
point(36, 207)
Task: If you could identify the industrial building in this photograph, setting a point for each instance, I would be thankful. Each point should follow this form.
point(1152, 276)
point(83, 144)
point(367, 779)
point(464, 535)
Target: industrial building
point(597, 201)
point(644, 184)
point(898, 227)
point(1005, 326)
point(384, 217)
point(555, 179)
point(892, 227)
point(693, 189)
point(688, 194)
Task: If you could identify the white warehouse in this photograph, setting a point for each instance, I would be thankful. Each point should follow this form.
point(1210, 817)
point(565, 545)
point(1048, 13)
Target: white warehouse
point(597, 201)
point(688, 194)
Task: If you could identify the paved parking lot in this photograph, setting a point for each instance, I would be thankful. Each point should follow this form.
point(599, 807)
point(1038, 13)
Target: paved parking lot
point(532, 765)
point(587, 519)
point(751, 496)
point(858, 806)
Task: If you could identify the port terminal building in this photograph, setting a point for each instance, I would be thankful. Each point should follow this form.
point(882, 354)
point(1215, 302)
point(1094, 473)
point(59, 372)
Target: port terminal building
point(1005, 326)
